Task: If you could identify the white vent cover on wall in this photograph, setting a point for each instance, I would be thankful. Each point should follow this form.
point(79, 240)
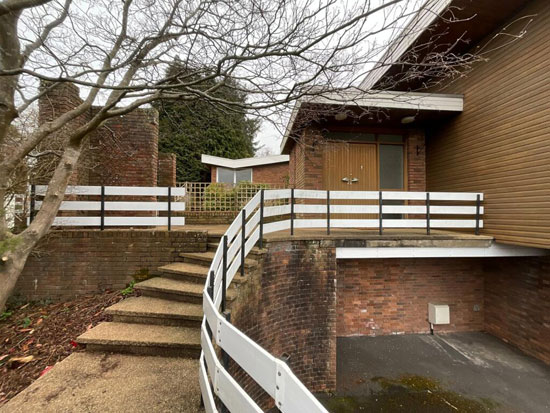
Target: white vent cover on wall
point(438, 314)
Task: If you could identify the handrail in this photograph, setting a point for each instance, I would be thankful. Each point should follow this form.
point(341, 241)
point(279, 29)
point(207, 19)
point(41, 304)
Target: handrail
point(271, 374)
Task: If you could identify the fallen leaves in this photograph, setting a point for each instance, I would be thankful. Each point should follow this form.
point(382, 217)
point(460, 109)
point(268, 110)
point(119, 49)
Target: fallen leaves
point(48, 368)
point(35, 337)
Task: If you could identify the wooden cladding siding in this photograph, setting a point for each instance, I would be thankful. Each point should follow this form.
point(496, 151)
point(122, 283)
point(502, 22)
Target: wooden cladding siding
point(500, 144)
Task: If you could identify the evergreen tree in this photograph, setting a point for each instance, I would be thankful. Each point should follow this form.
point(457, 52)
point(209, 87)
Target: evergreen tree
point(192, 128)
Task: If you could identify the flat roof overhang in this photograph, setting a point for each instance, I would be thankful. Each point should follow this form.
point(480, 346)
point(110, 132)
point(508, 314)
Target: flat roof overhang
point(400, 103)
point(243, 162)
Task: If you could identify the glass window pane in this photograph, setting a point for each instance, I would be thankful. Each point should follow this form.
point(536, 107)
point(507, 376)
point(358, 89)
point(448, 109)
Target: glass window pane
point(391, 138)
point(244, 175)
point(350, 136)
point(391, 167)
point(225, 175)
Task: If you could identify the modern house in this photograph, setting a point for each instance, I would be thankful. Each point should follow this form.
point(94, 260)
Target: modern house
point(487, 131)
point(264, 170)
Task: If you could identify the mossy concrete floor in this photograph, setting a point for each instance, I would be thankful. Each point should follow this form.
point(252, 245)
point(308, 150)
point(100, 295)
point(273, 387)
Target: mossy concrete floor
point(459, 372)
point(98, 382)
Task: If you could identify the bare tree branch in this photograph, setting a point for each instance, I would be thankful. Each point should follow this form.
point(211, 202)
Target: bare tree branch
point(11, 6)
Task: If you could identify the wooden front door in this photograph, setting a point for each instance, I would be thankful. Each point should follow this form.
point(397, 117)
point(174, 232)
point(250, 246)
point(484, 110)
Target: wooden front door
point(363, 162)
point(351, 167)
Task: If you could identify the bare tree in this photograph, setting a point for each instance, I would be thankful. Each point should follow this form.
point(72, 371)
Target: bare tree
point(278, 51)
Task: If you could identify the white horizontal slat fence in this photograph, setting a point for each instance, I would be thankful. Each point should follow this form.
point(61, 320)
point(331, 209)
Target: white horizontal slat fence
point(158, 205)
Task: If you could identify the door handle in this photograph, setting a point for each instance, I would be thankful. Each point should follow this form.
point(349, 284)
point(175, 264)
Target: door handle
point(345, 179)
point(354, 180)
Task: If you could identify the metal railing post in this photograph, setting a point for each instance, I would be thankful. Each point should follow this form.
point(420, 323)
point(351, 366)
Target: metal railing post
point(428, 213)
point(211, 285)
point(292, 211)
point(261, 218)
point(33, 203)
point(224, 272)
point(328, 212)
point(210, 291)
point(243, 240)
point(102, 207)
point(225, 357)
point(478, 207)
point(169, 208)
point(380, 204)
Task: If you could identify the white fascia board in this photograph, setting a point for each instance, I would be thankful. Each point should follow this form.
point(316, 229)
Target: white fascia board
point(383, 100)
point(427, 14)
point(290, 124)
point(243, 162)
point(393, 100)
point(495, 250)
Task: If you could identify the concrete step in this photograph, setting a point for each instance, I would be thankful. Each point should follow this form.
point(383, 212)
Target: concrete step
point(188, 272)
point(144, 339)
point(214, 238)
point(170, 289)
point(151, 310)
point(253, 254)
point(213, 246)
point(205, 258)
point(184, 271)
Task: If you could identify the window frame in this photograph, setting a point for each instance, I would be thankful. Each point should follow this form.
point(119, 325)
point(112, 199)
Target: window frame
point(234, 171)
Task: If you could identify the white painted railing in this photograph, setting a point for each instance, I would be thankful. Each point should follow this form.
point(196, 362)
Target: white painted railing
point(271, 374)
point(98, 204)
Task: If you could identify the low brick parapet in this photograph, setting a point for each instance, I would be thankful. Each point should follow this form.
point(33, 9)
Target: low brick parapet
point(67, 263)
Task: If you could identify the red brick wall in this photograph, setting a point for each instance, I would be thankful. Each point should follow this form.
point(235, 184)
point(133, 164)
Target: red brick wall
point(166, 174)
point(416, 161)
point(289, 307)
point(124, 151)
point(56, 102)
point(517, 303)
point(390, 296)
point(73, 262)
point(277, 174)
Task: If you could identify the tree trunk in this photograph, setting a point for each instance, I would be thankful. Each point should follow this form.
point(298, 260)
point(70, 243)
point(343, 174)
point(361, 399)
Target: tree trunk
point(10, 271)
point(14, 258)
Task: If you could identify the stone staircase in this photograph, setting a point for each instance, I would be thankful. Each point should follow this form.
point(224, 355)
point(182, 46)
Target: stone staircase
point(165, 320)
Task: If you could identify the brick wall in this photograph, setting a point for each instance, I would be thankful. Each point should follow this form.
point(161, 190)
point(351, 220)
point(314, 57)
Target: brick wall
point(288, 306)
point(56, 102)
point(72, 262)
point(124, 151)
point(391, 296)
point(416, 160)
point(277, 174)
point(517, 303)
point(166, 173)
